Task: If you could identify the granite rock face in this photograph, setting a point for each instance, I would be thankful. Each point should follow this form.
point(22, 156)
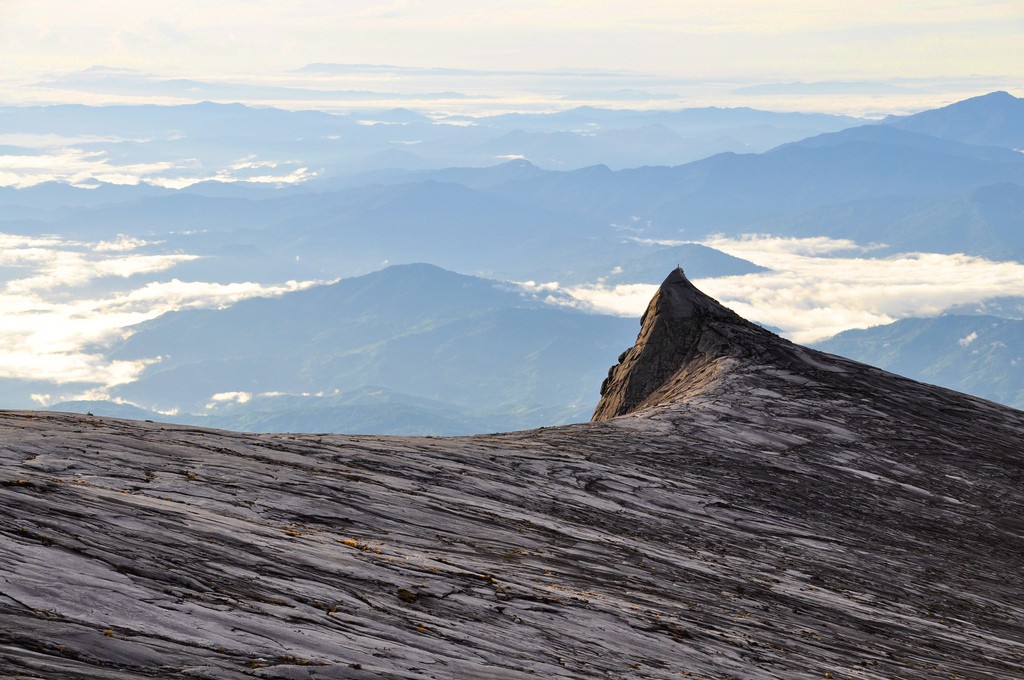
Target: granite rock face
point(760, 511)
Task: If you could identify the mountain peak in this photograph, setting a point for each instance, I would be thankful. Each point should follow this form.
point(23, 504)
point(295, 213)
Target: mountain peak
point(993, 119)
point(685, 335)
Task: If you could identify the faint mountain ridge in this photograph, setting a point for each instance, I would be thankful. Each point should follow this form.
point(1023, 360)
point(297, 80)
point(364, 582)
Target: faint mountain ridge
point(235, 142)
point(993, 119)
point(893, 135)
point(478, 355)
point(733, 192)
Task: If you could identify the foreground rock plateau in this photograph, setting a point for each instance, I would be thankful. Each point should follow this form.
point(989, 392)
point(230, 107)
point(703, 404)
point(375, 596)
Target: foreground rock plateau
point(741, 507)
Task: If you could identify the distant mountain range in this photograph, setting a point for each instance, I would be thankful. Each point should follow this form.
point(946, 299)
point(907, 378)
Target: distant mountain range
point(399, 187)
point(876, 183)
point(205, 139)
point(995, 119)
point(410, 349)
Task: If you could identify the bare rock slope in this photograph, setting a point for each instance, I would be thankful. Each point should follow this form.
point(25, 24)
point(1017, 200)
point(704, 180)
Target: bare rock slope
point(742, 508)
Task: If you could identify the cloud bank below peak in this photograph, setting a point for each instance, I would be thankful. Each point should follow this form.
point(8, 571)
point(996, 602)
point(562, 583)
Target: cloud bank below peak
point(817, 287)
point(52, 311)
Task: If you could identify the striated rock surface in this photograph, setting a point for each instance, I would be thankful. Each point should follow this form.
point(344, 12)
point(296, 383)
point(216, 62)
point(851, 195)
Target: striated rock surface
point(761, 511)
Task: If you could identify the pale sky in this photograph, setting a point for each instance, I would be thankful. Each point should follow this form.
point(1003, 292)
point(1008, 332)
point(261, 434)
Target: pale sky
point(783, 38)
point(742, 41)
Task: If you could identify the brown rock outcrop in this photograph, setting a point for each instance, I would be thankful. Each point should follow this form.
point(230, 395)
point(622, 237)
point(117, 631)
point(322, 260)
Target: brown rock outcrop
point(685, 338)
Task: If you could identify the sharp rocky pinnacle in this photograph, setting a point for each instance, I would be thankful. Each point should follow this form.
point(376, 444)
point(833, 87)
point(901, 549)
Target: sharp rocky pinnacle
point(685, 337)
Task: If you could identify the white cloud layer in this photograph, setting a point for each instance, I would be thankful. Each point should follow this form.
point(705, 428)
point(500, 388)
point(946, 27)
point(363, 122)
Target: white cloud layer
point(73, 166)
point(228, 398)
point(813, 292)
point(85, 168)
point(816, 287)
point(47, 319)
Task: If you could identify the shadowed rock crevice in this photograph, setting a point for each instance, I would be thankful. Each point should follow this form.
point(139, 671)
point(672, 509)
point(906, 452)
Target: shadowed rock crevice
point(684, 341)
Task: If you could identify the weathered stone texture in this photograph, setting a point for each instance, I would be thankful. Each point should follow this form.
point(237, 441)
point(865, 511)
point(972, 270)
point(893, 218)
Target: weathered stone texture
point(760, 511)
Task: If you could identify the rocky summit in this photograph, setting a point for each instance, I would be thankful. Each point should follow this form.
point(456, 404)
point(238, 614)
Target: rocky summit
point(741, 507)
point(685, 336)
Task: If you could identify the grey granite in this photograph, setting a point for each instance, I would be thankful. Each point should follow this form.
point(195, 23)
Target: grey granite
point(784, 514)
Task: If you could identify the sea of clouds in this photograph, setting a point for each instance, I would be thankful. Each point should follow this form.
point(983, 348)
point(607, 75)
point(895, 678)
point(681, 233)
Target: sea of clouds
point(62, 300)
point(817, 287)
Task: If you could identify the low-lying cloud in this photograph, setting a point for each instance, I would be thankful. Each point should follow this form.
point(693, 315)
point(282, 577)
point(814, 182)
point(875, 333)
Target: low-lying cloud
point(52, 262)
point(74, 166)
point(819, 287)
point(49, 318)
point(83, 168)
